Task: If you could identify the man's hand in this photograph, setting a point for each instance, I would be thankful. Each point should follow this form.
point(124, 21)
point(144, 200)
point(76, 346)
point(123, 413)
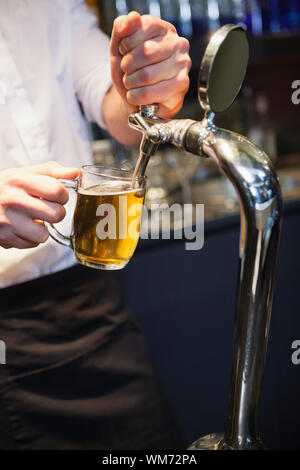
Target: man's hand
point(150, 63)
point(29, 196)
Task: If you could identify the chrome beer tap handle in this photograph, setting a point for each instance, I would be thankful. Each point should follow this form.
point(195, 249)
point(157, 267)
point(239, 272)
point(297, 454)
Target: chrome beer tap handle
point(156, 131)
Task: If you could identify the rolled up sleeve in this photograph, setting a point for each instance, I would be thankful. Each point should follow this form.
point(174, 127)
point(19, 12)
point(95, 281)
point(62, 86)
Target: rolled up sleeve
point(90, 61)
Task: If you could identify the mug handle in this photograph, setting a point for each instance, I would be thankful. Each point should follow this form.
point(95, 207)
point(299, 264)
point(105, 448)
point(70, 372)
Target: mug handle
point(53, 232)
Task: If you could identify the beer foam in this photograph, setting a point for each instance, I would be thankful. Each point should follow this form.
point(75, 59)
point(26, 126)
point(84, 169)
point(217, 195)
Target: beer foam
point(108, 189)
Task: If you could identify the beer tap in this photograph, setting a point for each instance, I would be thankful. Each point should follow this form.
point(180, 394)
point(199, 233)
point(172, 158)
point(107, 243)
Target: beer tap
point(252, 174)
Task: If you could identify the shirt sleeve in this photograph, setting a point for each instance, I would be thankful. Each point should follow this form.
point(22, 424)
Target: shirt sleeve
point(90, 61)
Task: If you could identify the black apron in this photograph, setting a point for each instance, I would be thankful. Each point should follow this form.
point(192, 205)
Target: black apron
point(78, 373)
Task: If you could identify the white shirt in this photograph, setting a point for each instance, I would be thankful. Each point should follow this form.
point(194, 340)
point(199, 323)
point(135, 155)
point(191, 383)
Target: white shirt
point(60, 56)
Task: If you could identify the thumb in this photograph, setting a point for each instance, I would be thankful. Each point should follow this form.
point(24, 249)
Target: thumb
point(54, 169)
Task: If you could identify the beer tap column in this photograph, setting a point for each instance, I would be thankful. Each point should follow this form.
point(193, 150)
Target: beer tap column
point(255, 181)
point(253, 176)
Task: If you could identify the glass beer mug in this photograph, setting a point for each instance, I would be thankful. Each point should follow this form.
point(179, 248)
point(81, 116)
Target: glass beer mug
point(107, 217)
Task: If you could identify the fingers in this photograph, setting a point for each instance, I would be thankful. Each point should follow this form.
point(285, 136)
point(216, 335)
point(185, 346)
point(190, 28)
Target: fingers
point(124, 26)
point(24, 232)
point(156, 73)
point(38, 209)
point(150, 28)
point(23, 244)
point(160, 92)
point(54, 169)
point(47, 211)
point(18, 242)
point(29, 196)
point(29, 230)
point(150, 52)
point(41, 186)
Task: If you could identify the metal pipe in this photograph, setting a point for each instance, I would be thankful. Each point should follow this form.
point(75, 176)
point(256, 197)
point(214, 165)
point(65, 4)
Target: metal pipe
point(255, 181)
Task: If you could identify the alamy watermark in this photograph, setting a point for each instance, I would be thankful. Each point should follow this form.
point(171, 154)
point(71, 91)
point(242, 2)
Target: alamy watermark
point(2, 352)
point(296, 353)
point(296, 93)
point(160, 221)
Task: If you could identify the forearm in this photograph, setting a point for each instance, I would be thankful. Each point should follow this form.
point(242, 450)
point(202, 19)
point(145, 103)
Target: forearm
point(115, 115)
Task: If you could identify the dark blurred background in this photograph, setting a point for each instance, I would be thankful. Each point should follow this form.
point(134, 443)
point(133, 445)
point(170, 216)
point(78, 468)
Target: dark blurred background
point(183, 300)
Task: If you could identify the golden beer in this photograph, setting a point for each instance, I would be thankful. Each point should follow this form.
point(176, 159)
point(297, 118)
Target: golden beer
point(107, 217)
point(106, 224)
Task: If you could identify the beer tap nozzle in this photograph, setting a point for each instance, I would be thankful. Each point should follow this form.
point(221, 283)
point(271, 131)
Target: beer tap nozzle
point(143, 122)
